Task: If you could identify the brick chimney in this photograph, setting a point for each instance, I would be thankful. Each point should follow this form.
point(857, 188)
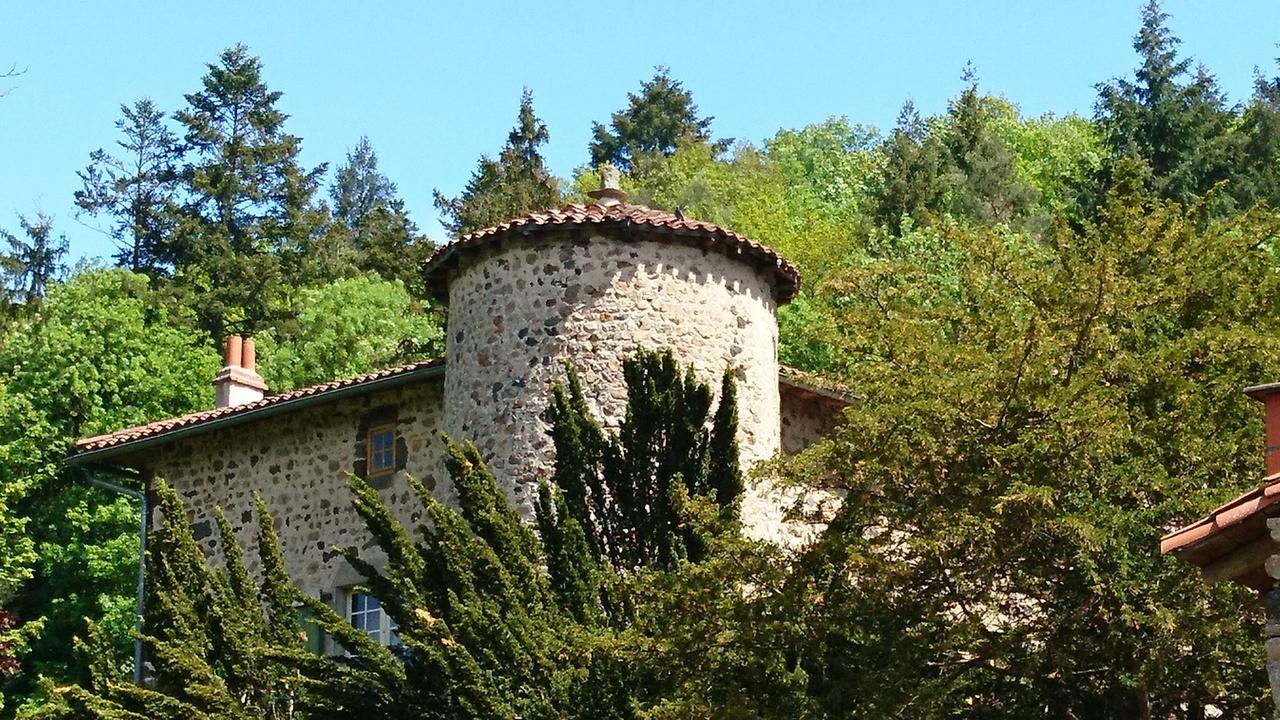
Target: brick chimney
point(238, 382)
point(1269, 396)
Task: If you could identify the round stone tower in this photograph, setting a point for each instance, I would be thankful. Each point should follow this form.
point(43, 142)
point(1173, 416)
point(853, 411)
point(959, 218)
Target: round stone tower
point(588, 285)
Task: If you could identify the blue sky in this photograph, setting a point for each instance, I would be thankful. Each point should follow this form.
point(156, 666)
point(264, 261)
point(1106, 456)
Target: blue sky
point(434, 85)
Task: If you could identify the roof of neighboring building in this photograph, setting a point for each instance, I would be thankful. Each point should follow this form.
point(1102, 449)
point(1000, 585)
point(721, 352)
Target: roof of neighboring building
point(1231, 527)
point(135, 438)
point(267, 406)
point(632, 217)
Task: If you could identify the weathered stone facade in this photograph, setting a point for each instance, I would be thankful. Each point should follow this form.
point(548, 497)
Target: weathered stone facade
point(519, 312)
point(586, 286)
point(299, 462)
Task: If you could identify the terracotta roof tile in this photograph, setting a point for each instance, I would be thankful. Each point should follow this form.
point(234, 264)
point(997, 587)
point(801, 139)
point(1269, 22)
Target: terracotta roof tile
point(636, 217)
point(791, 376)
point(161, 427)
point(1229, 515)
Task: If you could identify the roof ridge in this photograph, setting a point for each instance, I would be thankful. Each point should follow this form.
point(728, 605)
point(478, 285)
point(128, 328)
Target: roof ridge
point(165, 424)
point(786, 276)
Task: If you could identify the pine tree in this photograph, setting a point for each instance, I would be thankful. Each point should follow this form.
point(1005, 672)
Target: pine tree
point(516, 183)
point(248, 209)
point(1261, 127)
point(655, 122)
point(1171, 115)
point(136, 189)
point(911, 178)
point(30, 265)
point(371, 224)
point(984, 180)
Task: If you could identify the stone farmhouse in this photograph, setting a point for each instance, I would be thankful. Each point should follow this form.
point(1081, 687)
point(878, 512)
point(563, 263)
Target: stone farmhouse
point(585, 284)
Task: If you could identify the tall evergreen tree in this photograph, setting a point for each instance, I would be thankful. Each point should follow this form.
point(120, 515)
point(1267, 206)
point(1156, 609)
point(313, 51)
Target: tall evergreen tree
point(516, 183)
point(248, 207)
point(371, 221)
point(1171, 115)
point(1261, 127)
point(655, 122)
point(911, 176)
point(29, 265)
point(136, 189)
point(984, 180)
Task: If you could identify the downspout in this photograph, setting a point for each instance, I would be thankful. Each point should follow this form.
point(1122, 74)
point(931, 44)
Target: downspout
point(141, 497)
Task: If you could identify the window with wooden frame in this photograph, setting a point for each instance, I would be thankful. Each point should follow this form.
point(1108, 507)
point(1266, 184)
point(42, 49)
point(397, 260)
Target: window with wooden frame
point(382, 450)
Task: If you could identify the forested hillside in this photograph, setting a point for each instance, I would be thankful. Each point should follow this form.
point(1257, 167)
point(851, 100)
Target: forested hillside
point(1047, 322)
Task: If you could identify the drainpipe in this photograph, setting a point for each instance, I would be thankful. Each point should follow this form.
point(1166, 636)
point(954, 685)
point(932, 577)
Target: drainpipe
point(141, 497)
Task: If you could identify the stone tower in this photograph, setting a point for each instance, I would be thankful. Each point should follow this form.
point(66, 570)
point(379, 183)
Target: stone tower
point(588, 285)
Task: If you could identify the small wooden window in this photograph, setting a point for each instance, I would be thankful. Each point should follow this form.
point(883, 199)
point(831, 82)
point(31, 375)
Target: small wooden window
point(382, 450)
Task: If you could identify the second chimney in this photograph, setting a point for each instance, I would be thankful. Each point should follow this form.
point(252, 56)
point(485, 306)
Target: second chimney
point(1269, 396)
point(238, 382)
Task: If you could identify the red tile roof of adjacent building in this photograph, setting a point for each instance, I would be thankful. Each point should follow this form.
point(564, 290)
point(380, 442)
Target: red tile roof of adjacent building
point(1231, 526)
point(632, 217)
point(802, 382)
point(160, 427)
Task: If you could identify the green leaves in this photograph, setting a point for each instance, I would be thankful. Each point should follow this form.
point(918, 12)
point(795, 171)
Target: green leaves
point(347, 328)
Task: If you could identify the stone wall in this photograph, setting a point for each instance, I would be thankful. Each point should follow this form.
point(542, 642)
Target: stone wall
point(520, 309)
point(806, 417)
point(300, 462)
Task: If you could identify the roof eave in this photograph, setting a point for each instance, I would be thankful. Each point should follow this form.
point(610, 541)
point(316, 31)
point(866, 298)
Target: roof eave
point(89, 458)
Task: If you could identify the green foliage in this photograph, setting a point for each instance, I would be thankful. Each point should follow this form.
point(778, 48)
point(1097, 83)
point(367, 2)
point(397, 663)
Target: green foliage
point(656, 122)
point(135, 189)
point(1171, 117)
point(248, 202)
point(623, 491)
point(517, 183)
point(371, 230)
point(347, 328)
point(498, 622)
point(101, 353)
point(219, 645)
point(1037, 412)
point(29, 266)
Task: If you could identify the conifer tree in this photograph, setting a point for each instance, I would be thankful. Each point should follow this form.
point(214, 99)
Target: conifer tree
point(514, 184)
point(371, 221)
point(1261, 128)
point(910, 179)
point(1171, 115)
point(220, 647)
point(497, 618)
point(655, 122)
point(136, 189)
point(984, 180)
point(28, 266)
point(248, 209)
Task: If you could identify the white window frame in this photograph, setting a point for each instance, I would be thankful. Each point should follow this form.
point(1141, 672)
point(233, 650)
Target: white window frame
point(385, 633)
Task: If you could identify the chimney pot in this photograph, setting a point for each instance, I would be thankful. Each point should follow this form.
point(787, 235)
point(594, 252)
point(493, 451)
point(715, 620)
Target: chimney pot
point(248, 355)
point(238, 382)
point(1269, 396)
point(234, 349)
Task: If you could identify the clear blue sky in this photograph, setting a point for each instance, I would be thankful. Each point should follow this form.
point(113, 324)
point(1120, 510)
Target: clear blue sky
point(434, 85)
